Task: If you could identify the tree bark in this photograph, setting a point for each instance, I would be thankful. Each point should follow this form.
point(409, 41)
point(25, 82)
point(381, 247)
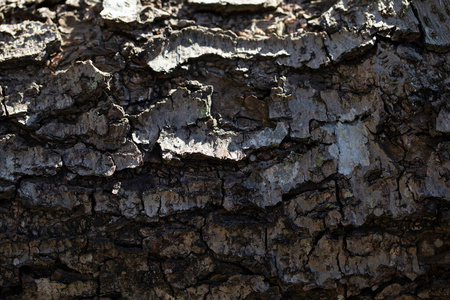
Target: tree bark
point(224, 149)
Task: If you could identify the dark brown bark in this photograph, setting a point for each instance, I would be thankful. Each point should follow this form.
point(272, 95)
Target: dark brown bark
point(224, 149)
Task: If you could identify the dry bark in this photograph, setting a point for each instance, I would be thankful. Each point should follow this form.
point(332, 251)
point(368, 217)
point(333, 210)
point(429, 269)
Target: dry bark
point(224, 149)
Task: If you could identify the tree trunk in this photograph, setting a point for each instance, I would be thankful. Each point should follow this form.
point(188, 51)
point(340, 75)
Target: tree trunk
point(224, 149)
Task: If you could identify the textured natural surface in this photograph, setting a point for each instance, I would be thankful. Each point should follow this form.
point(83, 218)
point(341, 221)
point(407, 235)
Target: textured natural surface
point(224, 149)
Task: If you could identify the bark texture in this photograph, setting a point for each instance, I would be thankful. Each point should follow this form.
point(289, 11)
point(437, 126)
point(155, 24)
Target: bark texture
point(224, 149)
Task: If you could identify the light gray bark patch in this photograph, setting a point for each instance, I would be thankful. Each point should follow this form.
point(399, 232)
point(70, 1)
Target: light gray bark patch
point(18, 159)
point(130, 13)
point(81, 82)
point(183, 108)
point(393, 19)
point(218, 143)
point(191, 43)
point(346, 44)
point(125, 11)
point(87, 162)
point(29, 41)
point(443, 120)
point(266, 138)
point(434, 16)
point(128, 156)
point(351, 148)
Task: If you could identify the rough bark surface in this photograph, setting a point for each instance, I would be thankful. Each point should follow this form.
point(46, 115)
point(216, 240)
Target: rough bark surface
point(224, 149)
